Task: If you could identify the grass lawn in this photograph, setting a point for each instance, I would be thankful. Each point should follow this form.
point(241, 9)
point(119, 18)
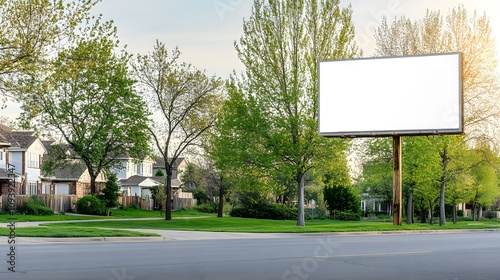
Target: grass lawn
point(116, 214)
point(72, 232)
point(230, 224)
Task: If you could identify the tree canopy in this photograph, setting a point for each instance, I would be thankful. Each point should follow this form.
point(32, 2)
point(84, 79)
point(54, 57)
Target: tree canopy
point(31, 32)
point(185, 101)
point(89, 99)
point(268, 127)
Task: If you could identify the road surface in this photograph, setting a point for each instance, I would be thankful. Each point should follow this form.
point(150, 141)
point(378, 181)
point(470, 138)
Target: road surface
point(443, 256)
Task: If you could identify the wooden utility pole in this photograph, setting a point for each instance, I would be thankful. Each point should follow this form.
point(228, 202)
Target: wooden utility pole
point(397, 192)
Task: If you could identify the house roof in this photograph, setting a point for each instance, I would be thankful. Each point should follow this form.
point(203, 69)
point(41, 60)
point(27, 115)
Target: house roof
point(160, 162)
point(4, 174)
point(136, 180)
point(20, 139)
point(70, 172)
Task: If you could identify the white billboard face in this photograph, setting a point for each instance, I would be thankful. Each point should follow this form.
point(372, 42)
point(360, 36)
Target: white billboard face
point(411, 95)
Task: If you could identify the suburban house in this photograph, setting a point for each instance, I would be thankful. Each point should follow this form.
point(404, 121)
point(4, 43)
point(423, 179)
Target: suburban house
point(179, 165)
point(128, 167)
point(23, 151)
point(140, 184)
point(71, 179)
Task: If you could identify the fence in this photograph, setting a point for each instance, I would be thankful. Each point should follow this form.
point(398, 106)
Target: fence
point(143, 203)
point(57, 202)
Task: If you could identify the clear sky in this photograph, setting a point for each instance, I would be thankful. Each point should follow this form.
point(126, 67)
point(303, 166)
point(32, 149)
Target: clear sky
point(205, 30)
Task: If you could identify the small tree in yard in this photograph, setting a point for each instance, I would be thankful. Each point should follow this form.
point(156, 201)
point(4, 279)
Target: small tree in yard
point(159, 195)
point(342, 199)
point(110, 193)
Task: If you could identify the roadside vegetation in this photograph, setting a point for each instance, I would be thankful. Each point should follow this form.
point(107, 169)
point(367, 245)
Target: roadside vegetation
point(231, 224)
point(66, 232)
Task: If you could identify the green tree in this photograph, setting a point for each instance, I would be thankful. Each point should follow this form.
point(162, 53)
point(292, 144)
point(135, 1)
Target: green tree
point(457, 32)
point(159, 195)
point(342, 199)
point(185, 98)
point(30, 31)
point(110, 194)
point(485, 188)
point(270, 122)
point(90, 101)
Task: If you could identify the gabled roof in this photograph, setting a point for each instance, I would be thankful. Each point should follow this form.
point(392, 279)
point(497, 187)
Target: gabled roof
point(70, 172)
point(4, 174)
point(160, 162)
point(137, 180)
point(19, 139)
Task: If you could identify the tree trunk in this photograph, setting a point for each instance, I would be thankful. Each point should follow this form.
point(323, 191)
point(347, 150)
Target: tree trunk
point(220, 211)
point(409, 209)
point(423, 215)
point(473, 212)
point(479, 213)
point(168, 184)
point(300, 216)
point(431, 211)
point(442, 213)
point(454, 214)
point(93, 184)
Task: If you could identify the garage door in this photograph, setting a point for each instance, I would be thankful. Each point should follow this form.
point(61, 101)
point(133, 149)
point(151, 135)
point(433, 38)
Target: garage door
point(62, 188)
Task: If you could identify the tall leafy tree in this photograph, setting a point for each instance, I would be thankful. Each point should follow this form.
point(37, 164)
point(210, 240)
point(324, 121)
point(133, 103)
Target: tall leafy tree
point(89, 99)
point(30, 32)
point(274, 123)
point(456, 32)
point(186, 101)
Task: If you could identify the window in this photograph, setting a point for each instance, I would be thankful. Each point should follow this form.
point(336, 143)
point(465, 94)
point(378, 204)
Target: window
point(46, 189)
point(1, 155)
point(139, 168)
point(33, 160)
point(32, 188)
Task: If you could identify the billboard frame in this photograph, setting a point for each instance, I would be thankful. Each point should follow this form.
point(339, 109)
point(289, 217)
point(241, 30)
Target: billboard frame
point(400, 132)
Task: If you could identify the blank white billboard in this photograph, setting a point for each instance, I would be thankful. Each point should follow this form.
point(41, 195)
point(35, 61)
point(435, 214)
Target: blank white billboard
point(409, 95)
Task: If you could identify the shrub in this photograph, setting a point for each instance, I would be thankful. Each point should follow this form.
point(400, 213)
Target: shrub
point(342, 199)
point(489, 214)
point(460, 213)
point(90, 205)
point(347, 216)
point(206, 208)
point(36, 206)
point(265, 211)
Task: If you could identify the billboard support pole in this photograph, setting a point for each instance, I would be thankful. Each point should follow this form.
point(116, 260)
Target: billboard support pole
point(397, 192)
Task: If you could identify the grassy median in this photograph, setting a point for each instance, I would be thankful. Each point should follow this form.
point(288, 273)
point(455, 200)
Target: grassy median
point(127, 213)
point(230, 224)
point(68, 231)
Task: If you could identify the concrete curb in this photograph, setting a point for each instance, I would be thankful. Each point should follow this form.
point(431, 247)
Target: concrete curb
point(51, 240)
point(228, 235)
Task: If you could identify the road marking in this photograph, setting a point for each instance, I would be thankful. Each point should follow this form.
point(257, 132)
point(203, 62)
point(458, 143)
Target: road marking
point(373, 254)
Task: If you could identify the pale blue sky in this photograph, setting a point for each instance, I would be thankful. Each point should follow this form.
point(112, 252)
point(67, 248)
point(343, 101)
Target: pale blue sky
point(205, 30)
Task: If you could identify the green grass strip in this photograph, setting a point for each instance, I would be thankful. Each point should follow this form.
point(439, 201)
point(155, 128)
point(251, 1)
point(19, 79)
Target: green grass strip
point(230, 224)
point(67, 231)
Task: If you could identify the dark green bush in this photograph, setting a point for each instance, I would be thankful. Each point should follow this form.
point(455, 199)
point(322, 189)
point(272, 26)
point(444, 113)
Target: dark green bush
point(342, 199)
point(460, 213)
point(347, 216)
point(206, 208)
point(36, 206)
point(265, 211)
point(90, 205)
point(489, 214)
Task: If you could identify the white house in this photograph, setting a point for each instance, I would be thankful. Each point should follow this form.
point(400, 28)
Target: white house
point(25, 154)
point(129, 167)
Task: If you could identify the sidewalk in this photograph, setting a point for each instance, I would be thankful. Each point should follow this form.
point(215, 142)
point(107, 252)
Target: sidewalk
point(175, 235)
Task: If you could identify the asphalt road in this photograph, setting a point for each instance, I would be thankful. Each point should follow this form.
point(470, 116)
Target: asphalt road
point(441, 256)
